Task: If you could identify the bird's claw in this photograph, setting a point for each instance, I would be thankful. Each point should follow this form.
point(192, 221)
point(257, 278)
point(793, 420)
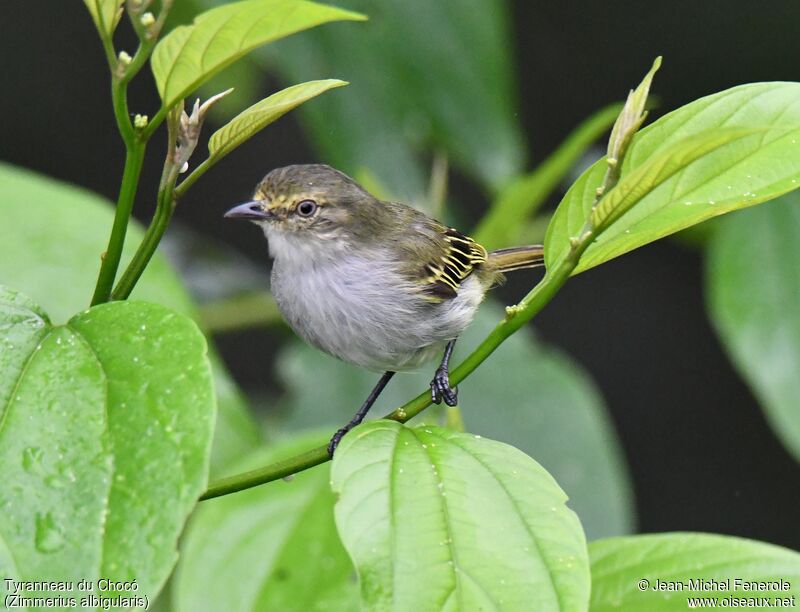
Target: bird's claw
point(441, 389)
point(337, 437)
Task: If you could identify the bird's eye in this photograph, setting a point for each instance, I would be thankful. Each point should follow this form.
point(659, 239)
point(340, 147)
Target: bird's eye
point(306, 208)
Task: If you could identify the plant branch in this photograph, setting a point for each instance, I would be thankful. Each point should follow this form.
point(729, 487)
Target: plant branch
point(123, 69)
point(165, 205)
point(204, 166)
point(134, 158)
point(127, 193)
point(183, 133)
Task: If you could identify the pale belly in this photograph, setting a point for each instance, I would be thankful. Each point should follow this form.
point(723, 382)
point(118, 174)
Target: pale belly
point(373, 320)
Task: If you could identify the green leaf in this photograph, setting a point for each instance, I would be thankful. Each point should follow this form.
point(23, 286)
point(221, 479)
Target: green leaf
point(277, 543)
point(436, 519)
point(53, 255)
point(619, 565)
point(105, 14)
point(524, 195)
point(754, 296)
point(261, 114)
point(661, 167)
point(425, 76)
point(107, 424)
point(750, 169)
point(190, 55)
point(527, 394)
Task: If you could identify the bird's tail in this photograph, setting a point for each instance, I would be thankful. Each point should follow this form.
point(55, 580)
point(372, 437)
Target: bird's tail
point(517, 258)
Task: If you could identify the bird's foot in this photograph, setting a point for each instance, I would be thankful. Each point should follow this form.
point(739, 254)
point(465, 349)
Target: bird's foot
point(337, 437)
point(441, 389)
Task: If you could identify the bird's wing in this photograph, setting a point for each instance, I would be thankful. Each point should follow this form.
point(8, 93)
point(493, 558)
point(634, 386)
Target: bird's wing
point(448, 255)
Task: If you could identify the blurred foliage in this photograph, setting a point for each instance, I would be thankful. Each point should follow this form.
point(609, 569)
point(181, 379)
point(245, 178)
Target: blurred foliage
point(59, 273)
point(753, 286)
point(277, 544)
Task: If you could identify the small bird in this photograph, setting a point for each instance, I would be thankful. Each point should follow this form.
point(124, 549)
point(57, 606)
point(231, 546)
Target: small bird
point(374, 283)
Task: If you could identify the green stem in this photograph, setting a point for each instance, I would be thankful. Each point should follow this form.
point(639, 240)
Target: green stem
point(147, 247)
point(135, 147)
point(165, 206)
point(154, 122)
point(195, 174)
point(168, 197)
point(127, 193)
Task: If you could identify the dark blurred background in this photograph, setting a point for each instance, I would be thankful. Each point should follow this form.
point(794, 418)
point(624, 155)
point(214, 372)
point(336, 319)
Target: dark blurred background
point(701, 454)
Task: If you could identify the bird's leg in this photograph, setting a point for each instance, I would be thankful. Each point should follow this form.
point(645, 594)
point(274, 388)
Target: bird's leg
point(440, 385)
point(362, 412)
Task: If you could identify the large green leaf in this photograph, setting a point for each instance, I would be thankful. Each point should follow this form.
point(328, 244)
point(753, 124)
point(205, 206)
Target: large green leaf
point(277, 543)
point(751, 168)
point(440, 520)
point(527, 394)
point(104, 14)
point(52, 253)
point(190, 55)
point(626, 571)
point(424, 75)
point(106, 434)
point(261, 114)
point(753, 281)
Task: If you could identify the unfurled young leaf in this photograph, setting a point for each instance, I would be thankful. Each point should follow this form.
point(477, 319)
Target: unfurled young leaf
point(191, 54)
point(631, 118)
point(105, 14)
point(747, 170)
point(105, 444)
point(261, 114)
point(626, 572)
point(440, 520)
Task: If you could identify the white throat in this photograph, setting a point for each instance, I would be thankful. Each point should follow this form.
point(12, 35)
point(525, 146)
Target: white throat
point(301, 249)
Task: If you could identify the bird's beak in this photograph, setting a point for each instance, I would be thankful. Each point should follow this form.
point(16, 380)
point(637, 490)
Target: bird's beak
point(250, 210)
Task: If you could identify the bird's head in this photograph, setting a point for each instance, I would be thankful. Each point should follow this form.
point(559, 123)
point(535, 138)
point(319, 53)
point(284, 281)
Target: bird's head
point(306, 205)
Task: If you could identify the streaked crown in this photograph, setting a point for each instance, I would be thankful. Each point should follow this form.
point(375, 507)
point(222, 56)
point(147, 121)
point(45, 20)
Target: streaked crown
point(284, 188)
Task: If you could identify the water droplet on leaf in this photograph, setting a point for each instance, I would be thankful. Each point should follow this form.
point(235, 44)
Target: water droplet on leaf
point(49, 534)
